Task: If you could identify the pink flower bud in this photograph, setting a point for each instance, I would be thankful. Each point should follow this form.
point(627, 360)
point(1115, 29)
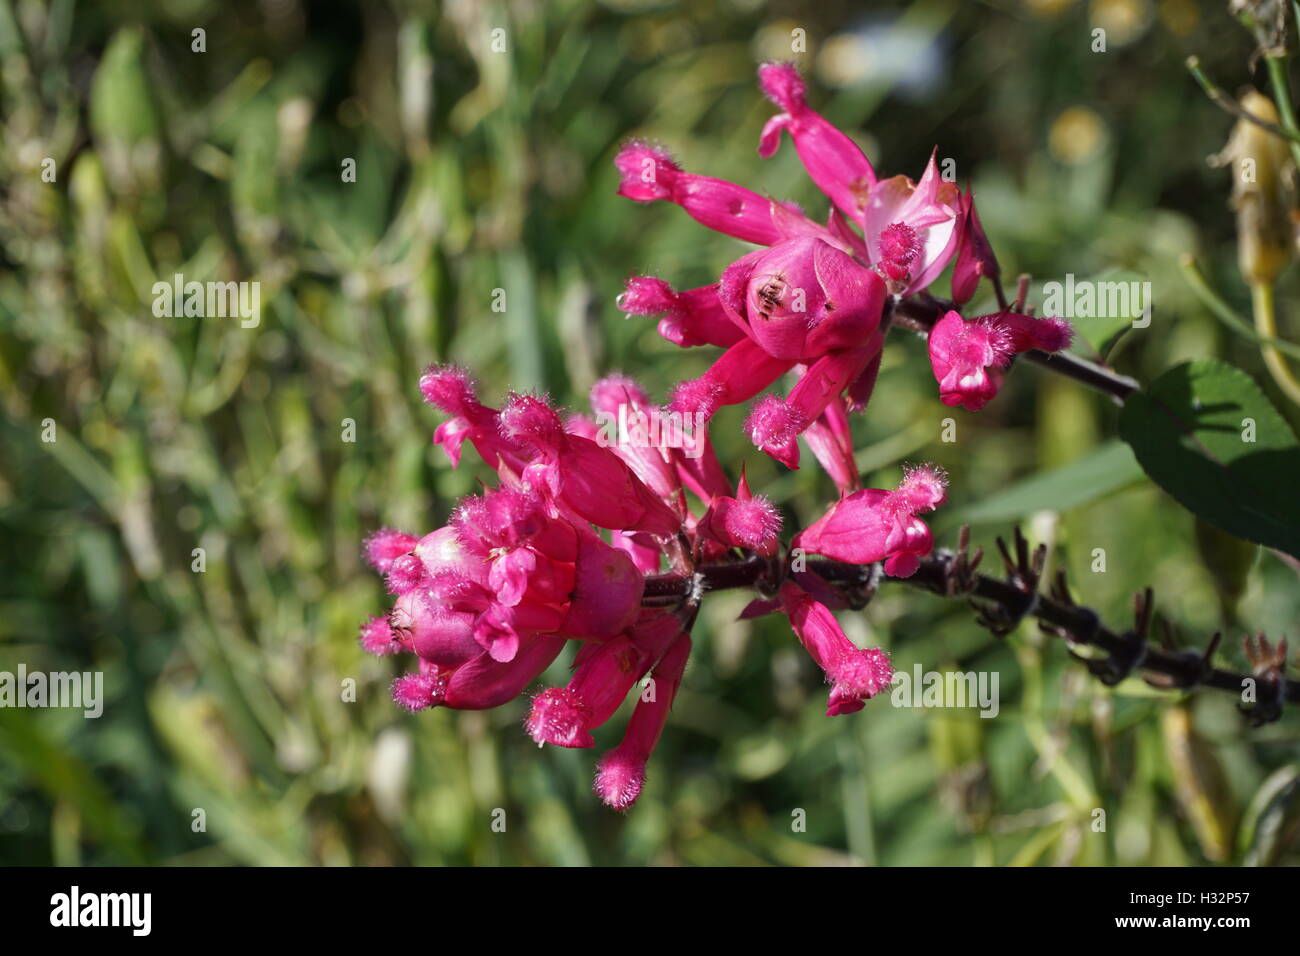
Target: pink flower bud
point(967, 356)
point(405, 573)
point(975, 257)
point(530, 419)
point(417, 691)
point(774, 426)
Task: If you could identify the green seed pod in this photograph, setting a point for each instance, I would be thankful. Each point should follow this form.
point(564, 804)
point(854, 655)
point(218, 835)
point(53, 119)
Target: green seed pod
point(1262, 176)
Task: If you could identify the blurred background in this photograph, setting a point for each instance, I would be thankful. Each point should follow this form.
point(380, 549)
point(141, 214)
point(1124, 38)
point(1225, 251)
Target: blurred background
point(480, 169)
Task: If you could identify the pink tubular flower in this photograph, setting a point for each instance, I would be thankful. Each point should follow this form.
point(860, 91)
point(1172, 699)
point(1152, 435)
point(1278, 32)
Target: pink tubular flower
point(451, 389)
point(968, 356)
point(624, 407)
point(603, 675)
point(591, 481)
point(831, 441)
point(855, 675)
point(648, 173)
point(377, 637)
point(834, 162)
point(620, 776)
point(876, 525)
point(693, 317)
point(975, 258)
point(738, 375)
point(775, 423)
point(385, 546)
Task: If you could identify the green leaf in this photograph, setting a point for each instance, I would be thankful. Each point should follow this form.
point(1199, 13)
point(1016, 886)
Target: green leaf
point(1205, 433)
point(1103, 470)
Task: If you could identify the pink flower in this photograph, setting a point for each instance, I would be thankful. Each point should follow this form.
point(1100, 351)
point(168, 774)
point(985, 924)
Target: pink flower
point(802, 298)
point(775, 422)
point(385, 546)
point(834, 162)
point(593, 482)
point(451, 389)
point(738, 375)
point(648, 173)
point(693, 317)
point(968, 356)
point(975, 258)
point(911, 229)
point(875, 525)
point(855, 675)
point(620, 776)
point(603, 676)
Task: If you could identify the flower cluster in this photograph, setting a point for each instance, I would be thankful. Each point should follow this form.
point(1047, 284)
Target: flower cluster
point(560, 549)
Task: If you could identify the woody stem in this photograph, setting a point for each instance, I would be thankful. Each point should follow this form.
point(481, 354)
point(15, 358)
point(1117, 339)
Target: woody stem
point(1081, 626)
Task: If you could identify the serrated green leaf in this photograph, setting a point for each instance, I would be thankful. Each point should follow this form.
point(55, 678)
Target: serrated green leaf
point(1206, 434)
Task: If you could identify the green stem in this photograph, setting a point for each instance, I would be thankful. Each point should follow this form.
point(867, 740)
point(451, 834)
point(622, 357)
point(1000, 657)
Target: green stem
point(1226, 313)
point(1266, 324)
point(1229, 105)
point(1277, 76)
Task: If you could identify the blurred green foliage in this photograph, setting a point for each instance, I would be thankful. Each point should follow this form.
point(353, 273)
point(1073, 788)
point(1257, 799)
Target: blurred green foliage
point(480, 170)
